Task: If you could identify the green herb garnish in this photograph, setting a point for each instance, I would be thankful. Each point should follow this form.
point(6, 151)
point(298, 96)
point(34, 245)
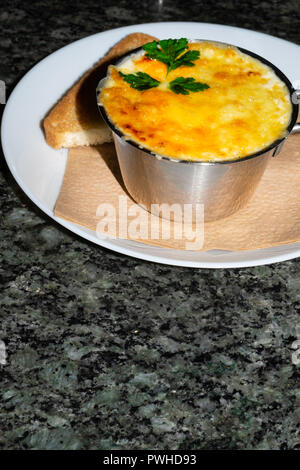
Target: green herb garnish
point(171, 52)
point(140, 80)
point(185, 85)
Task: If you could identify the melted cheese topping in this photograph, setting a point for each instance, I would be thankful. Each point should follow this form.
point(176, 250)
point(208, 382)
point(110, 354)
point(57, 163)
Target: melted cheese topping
point(246, 108)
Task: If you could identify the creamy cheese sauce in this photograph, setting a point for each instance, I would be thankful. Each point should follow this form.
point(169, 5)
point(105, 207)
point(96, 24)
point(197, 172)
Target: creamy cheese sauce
point(245, 108)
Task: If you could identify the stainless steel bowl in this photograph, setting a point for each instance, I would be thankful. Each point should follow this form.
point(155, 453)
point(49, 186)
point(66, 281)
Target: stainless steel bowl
point(223, 187)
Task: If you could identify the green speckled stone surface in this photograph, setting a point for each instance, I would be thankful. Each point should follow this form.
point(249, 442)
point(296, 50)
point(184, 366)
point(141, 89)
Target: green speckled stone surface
point(102, 351)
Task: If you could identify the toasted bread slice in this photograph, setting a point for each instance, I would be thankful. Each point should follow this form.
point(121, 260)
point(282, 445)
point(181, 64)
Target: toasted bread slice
point(75, 119)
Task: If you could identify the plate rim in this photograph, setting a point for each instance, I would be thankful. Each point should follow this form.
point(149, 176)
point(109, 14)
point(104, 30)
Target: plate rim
point(108, 244)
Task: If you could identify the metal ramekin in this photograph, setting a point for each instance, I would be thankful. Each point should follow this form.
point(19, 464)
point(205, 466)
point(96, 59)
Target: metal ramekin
point(223, 187)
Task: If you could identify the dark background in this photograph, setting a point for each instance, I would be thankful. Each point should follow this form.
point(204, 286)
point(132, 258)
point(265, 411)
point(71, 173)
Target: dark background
point(110, 352)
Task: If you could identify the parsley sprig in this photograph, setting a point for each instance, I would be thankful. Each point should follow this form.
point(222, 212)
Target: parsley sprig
point(140, 80)
point(171, 52)
point(185, 85)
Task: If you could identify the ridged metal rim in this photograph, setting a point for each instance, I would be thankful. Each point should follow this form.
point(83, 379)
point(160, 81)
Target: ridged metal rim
point(275, 144)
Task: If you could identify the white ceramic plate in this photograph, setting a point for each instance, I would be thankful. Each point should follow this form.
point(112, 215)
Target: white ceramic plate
point(39, 169)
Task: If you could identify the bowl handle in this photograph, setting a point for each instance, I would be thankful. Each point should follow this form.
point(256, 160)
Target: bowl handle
point(296, 128)
point(296, 100)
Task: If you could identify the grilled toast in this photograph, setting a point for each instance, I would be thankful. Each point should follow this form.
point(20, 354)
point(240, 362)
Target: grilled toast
point(75, 119)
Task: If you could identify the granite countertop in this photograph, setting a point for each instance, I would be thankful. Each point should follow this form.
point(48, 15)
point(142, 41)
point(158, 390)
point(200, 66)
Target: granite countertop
point(102, 351)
